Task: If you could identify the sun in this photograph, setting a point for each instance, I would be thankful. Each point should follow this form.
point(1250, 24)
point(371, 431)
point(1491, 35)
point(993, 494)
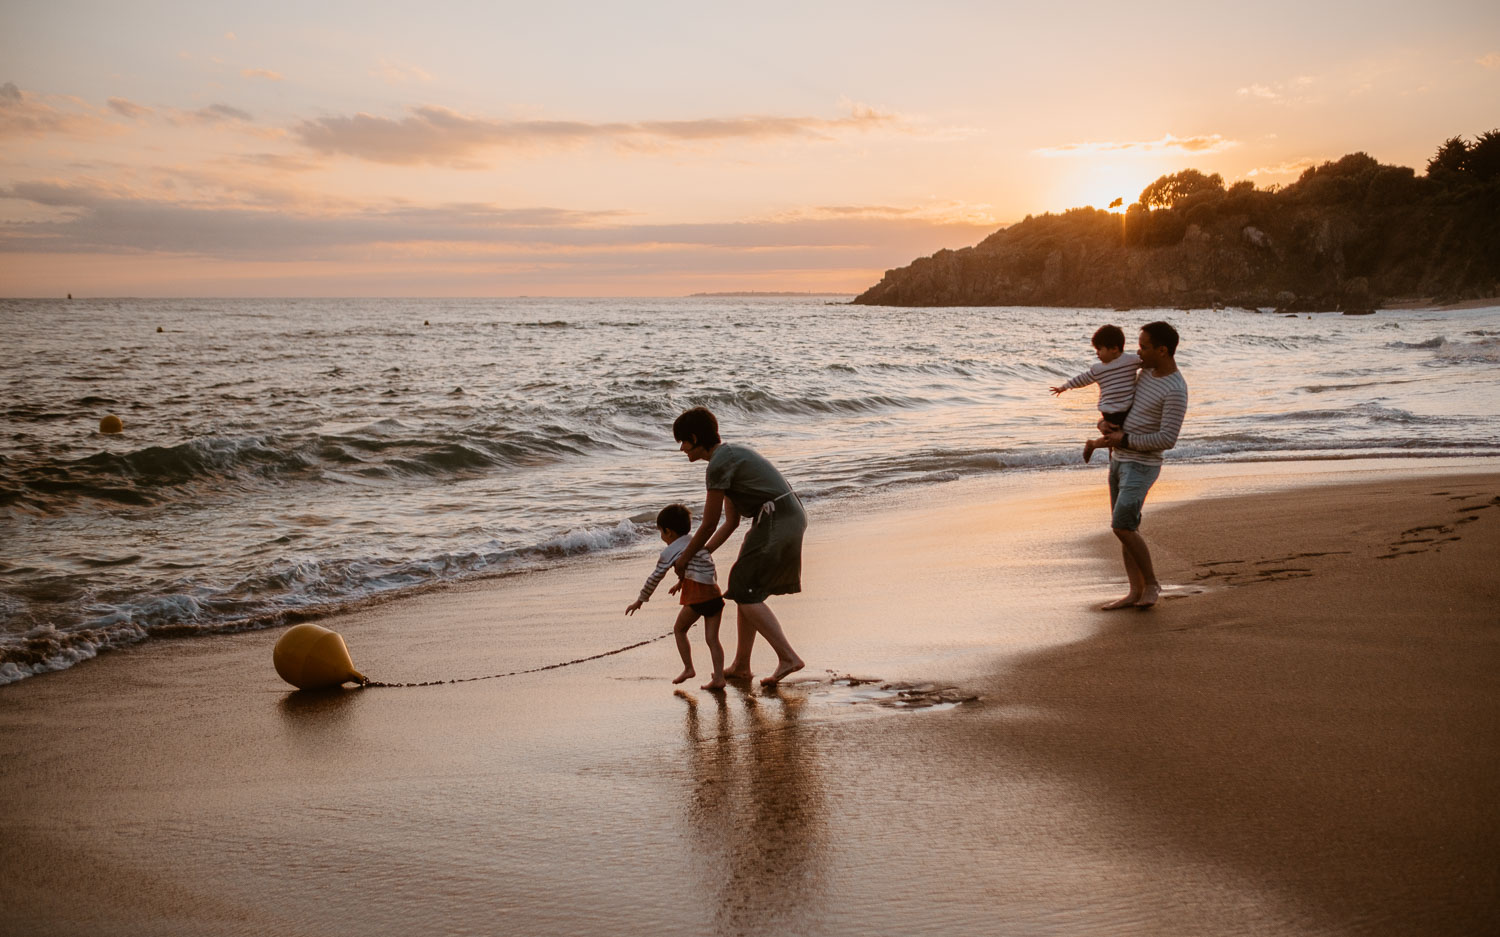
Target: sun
point(1100, 184)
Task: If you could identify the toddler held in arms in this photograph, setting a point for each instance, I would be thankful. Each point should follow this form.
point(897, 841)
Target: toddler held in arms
point(1115, 375)
point(700, 594)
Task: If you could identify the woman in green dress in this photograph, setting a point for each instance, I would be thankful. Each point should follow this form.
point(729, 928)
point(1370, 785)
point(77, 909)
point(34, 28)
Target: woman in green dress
point(742, 483)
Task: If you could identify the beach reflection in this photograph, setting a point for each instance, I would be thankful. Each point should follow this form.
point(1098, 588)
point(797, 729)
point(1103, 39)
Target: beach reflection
point(756, 810)
point(317, 719)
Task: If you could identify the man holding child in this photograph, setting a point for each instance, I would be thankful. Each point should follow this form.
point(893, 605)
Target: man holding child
point(1150, 428)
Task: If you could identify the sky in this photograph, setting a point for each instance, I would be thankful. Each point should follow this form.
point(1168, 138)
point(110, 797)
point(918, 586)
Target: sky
point(662, 148)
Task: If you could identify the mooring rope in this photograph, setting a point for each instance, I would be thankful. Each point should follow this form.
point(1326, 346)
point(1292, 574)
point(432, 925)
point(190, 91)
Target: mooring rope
point(517, 673)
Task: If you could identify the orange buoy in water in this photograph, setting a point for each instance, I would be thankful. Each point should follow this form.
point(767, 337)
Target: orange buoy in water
point(313, 658)
point(111, 424)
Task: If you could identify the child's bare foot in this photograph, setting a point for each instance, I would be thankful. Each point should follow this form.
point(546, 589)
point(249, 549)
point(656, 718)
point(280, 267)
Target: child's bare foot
point(1149, 596)
point(717, 683)
point(738, 673)
point(783, 669)
point(1127, 602)
point(687, 674)
point(1088, 450)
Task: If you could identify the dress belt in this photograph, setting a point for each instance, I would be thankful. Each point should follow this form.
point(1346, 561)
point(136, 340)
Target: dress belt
point(769, 507)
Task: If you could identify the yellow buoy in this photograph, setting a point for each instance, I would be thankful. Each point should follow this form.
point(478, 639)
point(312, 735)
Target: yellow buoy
point(311, 658)
point(111, 424)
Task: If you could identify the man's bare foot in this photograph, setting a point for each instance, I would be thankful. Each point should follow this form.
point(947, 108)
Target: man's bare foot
point(1127, 602)
point(1088, 450)
point(687, 674)
point(738, 673)
point(783, 669)
point(717, 683)
point(1149, 596)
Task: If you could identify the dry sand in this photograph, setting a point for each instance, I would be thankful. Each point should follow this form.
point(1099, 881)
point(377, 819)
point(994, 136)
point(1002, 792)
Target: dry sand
point(1303, 740)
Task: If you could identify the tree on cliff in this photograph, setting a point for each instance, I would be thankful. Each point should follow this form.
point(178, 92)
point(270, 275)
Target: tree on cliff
point(1484, 156)
point(1168, 191)
point(1451, 157)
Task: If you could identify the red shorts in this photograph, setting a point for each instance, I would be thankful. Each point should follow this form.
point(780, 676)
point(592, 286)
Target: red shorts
point(694, 592)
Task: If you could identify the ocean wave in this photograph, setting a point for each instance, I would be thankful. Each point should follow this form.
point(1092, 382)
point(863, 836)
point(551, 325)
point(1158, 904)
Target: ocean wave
point(760, 402)
point(1485, 348)
point(1372, 412)
point(149, 475)
point(281, 593)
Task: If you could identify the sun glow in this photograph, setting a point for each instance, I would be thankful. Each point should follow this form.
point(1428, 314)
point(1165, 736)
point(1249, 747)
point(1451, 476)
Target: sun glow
point(1099, 184)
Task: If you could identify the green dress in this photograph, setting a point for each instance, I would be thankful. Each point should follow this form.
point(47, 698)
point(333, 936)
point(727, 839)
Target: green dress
point(770, 560)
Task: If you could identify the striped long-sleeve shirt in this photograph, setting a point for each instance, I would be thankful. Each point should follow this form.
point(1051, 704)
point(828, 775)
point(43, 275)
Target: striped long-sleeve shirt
point(1155, 419)
point(1116, 382)
point(699, 569)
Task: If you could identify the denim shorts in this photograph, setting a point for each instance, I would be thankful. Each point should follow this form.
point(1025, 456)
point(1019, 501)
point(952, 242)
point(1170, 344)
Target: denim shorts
point(1128, 484)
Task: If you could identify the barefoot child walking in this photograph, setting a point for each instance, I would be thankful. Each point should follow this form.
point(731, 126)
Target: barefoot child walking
point(700, 594)
point(1115, 375)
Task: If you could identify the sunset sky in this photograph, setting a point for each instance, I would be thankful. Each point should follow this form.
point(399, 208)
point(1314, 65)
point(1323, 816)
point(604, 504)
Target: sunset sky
point(497, 148)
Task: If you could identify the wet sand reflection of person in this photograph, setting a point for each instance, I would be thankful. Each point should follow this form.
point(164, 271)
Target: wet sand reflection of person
point(757, 810)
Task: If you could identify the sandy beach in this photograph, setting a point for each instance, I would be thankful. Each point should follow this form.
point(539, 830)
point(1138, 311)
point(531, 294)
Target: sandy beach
point(1300, 739)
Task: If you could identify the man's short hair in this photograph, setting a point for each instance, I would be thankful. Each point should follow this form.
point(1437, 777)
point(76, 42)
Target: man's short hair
point(698, 426)
point(676, 518)
point(1109, 336)
point(1162, 336)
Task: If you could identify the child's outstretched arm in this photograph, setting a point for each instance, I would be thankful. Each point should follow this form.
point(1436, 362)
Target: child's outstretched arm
point(1080, 380)
point(652, 581)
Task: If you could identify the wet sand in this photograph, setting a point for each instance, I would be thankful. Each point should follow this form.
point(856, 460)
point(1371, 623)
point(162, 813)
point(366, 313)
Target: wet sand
point(1302, 740)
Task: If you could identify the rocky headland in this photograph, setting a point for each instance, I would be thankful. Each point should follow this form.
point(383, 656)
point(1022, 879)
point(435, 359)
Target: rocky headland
point(1348, 235)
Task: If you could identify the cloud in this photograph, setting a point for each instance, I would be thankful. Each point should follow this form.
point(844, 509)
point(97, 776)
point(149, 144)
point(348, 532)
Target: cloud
point(1204, 143)
point(98, 220)
point(279, 162)
point(395, 74)
point(1491, 61)
point(432, 134)
point(1288, 93)
point(212, 114)
point(25, 114)
point(128, 108)
point(1290, 168)
point(265, 73)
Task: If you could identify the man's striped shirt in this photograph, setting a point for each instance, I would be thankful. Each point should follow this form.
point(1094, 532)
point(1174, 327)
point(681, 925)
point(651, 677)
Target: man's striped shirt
point(1155, 418)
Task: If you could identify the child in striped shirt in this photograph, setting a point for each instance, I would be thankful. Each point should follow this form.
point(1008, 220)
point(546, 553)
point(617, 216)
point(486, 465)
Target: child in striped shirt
point(700, 594)
point(1115, 375)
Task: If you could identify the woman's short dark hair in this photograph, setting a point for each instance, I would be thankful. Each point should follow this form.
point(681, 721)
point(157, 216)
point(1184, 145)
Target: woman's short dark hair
point(676, 518)
point(1109, 336)
point(1162, 336)
point(698, 426)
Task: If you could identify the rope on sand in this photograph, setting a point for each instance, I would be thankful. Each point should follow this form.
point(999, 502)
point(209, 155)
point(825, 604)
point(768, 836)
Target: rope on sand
point(517, 673)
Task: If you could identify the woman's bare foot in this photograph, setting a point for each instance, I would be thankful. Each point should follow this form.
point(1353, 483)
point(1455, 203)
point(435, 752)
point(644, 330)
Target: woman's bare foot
point(717, 683)
point(687, 674)
point(1149, 596)
point(738, 673)
point(1088, 450)
point(783, 669)
point(1128, 602)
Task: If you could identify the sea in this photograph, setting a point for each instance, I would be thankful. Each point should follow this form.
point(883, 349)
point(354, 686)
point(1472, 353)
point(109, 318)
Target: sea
point(282, 459)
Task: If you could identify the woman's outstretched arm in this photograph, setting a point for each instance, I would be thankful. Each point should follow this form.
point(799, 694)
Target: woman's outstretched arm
point(713, 507)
